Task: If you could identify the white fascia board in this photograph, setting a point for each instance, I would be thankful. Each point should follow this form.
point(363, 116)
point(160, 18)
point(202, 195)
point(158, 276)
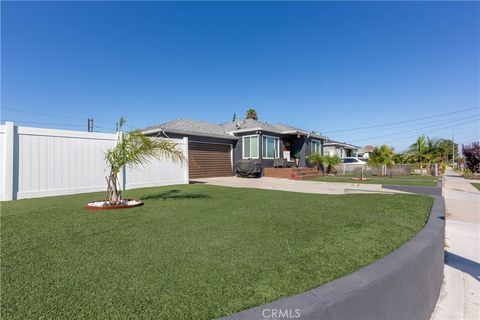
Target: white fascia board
point(245, 130)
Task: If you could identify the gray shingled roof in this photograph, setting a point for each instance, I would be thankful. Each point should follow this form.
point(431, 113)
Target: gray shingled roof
point(250, 124)
point(279, 128)
point(226, 130)
point(189, 126)
point(338, 143)
point(287, 128)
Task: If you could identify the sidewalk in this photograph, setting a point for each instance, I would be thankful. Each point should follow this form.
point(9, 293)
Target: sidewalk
point(460, 295)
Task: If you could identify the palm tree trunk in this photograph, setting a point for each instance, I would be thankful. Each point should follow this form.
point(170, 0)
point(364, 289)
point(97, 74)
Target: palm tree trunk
point(115, 195)
point(421, 169)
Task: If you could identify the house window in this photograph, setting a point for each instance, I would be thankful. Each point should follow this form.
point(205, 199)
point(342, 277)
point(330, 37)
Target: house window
point(271, 147)
point(250, 147)
point(316, 147)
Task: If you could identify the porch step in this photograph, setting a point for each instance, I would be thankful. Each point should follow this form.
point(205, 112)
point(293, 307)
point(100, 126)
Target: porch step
point(304, 170)
point(301, 173)
point(300, 169)
point(291, 173)
point(304, 173)
point(307, 176)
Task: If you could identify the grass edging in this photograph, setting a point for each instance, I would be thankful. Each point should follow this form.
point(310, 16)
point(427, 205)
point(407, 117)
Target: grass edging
point(404, 284)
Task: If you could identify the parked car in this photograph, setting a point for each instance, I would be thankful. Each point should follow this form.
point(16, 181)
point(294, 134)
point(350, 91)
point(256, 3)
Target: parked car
point(353, 160)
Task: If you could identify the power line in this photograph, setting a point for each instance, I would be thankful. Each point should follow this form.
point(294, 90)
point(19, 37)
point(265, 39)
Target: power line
point(110, 123)
point(49, 123)
point(399, 122)
point(411, 136)
point(57, 124)
point(469, 138)
point(50, 115)
point(416, 129)
point(42, 114)
point(405, 126)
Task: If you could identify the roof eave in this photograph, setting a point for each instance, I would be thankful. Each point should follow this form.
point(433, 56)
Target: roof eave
point(244, 130)
point(348, 146)
point(255, 129)
point(191, 133)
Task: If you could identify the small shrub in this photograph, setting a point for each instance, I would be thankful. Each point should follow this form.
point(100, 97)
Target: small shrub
point(467, 173)
point(443, 167)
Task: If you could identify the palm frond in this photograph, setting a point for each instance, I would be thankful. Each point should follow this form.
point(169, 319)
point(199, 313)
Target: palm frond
point(134, 149)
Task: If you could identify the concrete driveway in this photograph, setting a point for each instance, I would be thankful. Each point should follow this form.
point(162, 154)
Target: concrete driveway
point(296, 186)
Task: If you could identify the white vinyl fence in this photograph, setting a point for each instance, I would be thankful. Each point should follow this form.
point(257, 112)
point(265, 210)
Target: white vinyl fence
point(37, 162)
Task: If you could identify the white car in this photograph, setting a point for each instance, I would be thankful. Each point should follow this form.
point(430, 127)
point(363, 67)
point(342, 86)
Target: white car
point(353, 160)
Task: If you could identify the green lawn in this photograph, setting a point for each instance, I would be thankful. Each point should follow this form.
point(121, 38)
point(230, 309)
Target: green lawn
point(476, 185)
point(413, 180)
point(192, 251)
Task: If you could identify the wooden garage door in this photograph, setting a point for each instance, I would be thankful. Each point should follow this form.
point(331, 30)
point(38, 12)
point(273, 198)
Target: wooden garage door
point(209, 160)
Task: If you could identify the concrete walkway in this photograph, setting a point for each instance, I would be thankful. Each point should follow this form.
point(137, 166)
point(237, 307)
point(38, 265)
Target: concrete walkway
point(297, 186)
point(460, 295)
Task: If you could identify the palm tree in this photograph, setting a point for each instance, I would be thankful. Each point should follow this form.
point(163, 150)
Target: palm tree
point(134, 148)
point(315, 159)
point(425, 151)
point(399, 158)
point(252, 114)
point(433, 152)
point(327, 162)
point(332, 161)
point(382, 156)
point(417, 152)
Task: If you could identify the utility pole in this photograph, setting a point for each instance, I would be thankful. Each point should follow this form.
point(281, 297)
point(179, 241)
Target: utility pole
point(90, 125)
point(453, 151)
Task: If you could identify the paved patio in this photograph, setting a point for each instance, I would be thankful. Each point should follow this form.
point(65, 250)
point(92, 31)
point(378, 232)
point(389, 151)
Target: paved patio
point(296, 186)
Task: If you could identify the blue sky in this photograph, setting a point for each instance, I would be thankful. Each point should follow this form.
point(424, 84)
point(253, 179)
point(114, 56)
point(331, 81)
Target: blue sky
point(320, 66)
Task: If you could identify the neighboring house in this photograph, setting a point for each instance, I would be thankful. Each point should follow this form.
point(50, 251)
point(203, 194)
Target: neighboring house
point(215, 148)
point(364, 152)
point(340, 149)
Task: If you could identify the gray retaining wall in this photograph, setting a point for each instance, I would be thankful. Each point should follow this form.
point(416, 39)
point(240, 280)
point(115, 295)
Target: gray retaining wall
point(403, 285)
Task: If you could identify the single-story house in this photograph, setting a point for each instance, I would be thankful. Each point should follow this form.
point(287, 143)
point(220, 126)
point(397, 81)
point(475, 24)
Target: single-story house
point(364, 152)
point(213, 149)
point(341, 149)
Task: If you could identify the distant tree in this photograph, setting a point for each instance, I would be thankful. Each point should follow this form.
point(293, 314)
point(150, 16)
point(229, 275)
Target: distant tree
point(251, 114)
point(459, 162)
point(447, 149)
point(471, 152)
point(381, 156)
